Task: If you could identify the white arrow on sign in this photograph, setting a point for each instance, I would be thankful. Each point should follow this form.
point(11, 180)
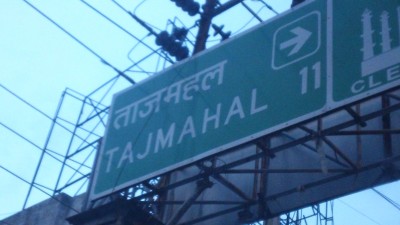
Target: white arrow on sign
point(302, 35)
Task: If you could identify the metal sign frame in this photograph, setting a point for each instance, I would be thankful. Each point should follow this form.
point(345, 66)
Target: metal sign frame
point(290, 45)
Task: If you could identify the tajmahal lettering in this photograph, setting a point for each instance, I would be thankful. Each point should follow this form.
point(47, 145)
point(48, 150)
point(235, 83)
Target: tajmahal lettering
point(165, 138)
point(183, 90)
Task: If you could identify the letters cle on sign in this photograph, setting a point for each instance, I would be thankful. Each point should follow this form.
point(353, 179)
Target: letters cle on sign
point(182, 90)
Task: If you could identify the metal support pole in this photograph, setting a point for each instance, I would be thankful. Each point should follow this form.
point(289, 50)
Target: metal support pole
point(386, 121)
point(44, 150)
point(209, 12)
point(356, 117)
point(204, 26)
point(263, 210)
point(68, 150)
point(202, 185)
point(296, 2)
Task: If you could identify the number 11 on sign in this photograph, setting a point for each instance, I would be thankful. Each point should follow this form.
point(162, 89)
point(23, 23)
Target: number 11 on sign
point(316, 70)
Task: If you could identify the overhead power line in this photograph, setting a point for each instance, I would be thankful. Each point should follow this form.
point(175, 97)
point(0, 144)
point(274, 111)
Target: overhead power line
point(125, 30)
point(359, 212)
point(35, 186)
point(391, 201)
point(269, 7)
point(43, 113)
point(81, 43)
point(36, 146)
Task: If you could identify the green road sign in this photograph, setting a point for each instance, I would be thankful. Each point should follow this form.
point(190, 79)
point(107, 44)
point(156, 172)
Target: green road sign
point(365, 48)
point(317, 57)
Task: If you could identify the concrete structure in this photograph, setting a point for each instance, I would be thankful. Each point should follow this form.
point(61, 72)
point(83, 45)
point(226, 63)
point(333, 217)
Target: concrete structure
point(64, 210)
point(52, 211)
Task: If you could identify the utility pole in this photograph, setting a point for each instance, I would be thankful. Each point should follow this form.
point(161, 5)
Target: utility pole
point(204, 26)
point(210, 10)
point(296, 2)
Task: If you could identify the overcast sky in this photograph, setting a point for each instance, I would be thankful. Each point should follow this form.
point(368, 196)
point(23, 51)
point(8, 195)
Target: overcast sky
point(39, 61)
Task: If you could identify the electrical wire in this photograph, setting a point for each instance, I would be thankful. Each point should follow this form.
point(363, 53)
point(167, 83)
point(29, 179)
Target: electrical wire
point(255, 15)
point(80, 166)
point(41, 190)
point(132, 49)
point(359, 212)
point(47, 151)
point(391, 201)
point(126, 31)
point(35, 145)
point(189, 29)
point(268, 6)
point(248, 22)
point(137, 6)
point(138, 20)
point(26, 102)
point(80, 42)
point(40, 111)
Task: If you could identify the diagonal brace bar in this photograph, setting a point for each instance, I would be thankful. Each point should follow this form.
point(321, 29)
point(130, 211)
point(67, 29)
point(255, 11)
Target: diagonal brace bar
point(202, 185)
point(356, 117)
point(340, 153)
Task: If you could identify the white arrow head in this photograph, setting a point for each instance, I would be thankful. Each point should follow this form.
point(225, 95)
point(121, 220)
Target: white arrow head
point(302, 35)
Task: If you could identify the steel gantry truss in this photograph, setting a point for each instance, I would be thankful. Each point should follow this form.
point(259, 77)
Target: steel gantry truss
point(77, 132)
point(349, 148)
point(81, 130)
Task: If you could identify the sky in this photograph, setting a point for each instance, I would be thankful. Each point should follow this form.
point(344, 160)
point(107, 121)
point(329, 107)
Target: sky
point(39, 62)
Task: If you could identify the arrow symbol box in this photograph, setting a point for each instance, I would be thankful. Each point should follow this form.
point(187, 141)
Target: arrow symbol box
point(302, 35)
point(296, 40)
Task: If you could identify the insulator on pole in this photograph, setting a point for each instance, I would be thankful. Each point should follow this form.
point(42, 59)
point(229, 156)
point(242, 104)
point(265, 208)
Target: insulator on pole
point(189, 6)
point(172, 45)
